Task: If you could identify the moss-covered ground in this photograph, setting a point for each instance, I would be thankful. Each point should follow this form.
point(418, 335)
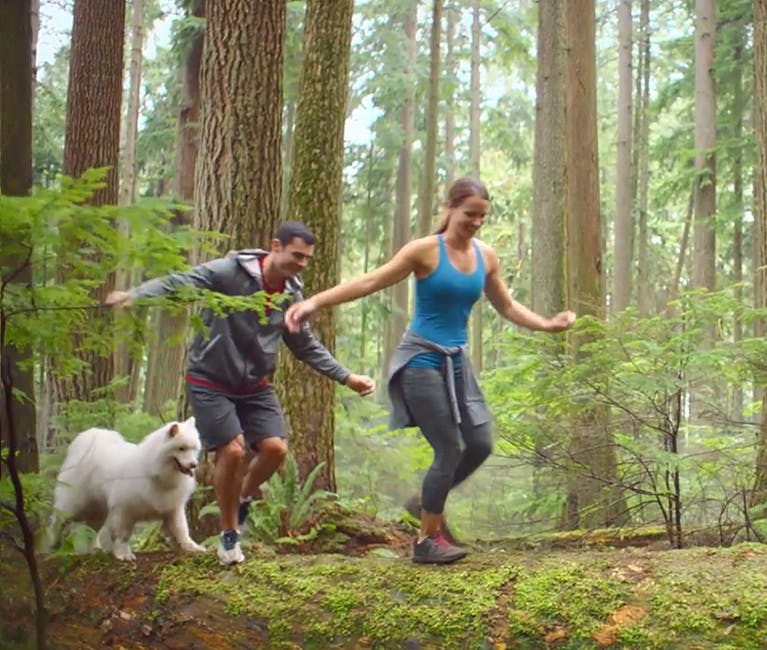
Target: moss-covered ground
point(497, 598)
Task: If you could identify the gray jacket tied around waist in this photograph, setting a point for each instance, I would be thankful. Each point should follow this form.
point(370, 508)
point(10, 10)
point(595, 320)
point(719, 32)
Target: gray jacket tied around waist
point(412, 345)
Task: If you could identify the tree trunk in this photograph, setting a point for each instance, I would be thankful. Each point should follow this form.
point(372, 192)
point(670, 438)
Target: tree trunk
point(315, 198)
point(426, 187)
point(548, 223)
point(591, 498)
point(449, 95)
point(122, 358)
point(704, 230)
point(92, 139)
point(369, 241)
point(704, 238)
point(239, 176)
point(624, 230)
point(641, 156)
point(683, 242)
point(128, 188)
point(16, 180)
point(287, 155)
point(738, 108)
point(167, 354)
point(760, 216)
point(474, 110)
point(401, 226)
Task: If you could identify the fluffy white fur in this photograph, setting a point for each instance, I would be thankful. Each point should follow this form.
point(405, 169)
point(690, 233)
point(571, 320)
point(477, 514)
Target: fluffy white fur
point(111, 484)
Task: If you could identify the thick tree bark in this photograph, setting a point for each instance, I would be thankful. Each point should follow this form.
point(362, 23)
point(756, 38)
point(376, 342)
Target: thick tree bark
point(548, 222)
point(738, 110)
point(92, 139)
point(641, 155)
point(16, 180)
point(624, 230)
point(123, 360)
point(239, 174)
point(449, 95)
point(704, 237)
point(760, 215)
point(403, 191)
point(315, 198)
point(426, 186)
point(591, 498)
point(167, 355)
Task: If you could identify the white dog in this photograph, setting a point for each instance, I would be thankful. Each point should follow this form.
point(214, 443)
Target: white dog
point(111, 484)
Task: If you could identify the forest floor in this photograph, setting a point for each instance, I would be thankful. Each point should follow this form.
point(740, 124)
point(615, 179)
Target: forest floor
point(560, 591)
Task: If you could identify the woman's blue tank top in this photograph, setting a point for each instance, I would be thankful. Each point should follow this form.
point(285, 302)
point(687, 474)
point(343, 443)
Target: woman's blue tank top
point(443, 302)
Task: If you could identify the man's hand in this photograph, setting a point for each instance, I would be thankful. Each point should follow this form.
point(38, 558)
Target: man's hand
point(562, 321)
point(361, 384)
point(119, 298)
point(298, 313)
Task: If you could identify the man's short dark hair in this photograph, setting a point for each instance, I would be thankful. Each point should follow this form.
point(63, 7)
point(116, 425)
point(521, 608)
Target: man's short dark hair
point(289, 230)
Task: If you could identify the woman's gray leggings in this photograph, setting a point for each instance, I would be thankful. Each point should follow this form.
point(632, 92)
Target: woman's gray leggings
point(459, 449)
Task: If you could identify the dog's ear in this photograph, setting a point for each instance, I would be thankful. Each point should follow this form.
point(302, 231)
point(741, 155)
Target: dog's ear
point(173, 430)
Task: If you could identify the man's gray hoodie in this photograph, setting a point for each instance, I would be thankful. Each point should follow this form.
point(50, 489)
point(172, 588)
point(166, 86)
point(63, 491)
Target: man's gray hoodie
point(237, 351)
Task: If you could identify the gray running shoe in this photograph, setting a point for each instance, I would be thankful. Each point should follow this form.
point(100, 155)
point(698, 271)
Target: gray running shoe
point(435, 549)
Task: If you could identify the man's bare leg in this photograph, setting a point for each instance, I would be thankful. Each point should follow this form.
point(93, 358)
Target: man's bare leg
point(227, 480)
point(270, 453)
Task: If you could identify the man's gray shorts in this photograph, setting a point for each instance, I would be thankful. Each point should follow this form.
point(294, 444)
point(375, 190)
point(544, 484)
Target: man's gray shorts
point(220, 417)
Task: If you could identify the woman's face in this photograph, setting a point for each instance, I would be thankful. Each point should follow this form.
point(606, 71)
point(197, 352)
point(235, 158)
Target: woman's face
point(467, 218)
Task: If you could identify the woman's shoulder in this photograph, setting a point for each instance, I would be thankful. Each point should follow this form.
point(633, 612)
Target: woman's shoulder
point(484, 246)
point(423, 244)
point(488, 252)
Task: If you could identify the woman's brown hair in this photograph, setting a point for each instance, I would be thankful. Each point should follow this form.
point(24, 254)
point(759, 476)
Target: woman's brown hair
point(459, 191)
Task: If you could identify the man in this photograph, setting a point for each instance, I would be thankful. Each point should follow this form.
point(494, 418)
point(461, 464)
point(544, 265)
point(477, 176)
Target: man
point(231, 360)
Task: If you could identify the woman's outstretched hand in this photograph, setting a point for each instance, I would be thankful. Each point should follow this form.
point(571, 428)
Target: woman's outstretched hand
point(298, 313)
point(562, 321)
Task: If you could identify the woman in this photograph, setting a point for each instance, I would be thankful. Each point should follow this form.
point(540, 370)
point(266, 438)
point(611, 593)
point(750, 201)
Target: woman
point(431, 382)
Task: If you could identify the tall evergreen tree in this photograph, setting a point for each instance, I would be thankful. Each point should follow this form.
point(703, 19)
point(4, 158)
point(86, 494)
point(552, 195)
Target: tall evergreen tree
point(624, 227)
point(167, 353)
point(239, 173)
point(17, 408)
point(591, 499)
point(94, 106)
point(315, 198)
point(548, 227)
point(704, 231)
point(760, 214)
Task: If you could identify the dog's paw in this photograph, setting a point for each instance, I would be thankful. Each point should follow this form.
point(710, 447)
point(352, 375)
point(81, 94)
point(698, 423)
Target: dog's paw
point(192, 547)
point(125, 555)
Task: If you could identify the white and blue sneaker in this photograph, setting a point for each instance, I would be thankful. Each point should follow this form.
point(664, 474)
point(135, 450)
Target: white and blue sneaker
point(229, 550)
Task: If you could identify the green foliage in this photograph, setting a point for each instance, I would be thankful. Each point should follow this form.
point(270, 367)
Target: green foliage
point(641, 370)
point(72, 248)
point(36, 489)
point(289, 509)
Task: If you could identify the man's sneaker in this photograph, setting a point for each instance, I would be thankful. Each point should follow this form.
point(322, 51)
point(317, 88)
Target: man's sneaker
point(229, 551)
point(413, 508)
point(242, 513)
point(435, 549)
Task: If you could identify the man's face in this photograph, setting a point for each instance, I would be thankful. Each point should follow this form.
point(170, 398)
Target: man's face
point(290, 259)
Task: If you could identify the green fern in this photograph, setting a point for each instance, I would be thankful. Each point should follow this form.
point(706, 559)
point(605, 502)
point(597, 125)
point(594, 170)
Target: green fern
point(288, 508)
